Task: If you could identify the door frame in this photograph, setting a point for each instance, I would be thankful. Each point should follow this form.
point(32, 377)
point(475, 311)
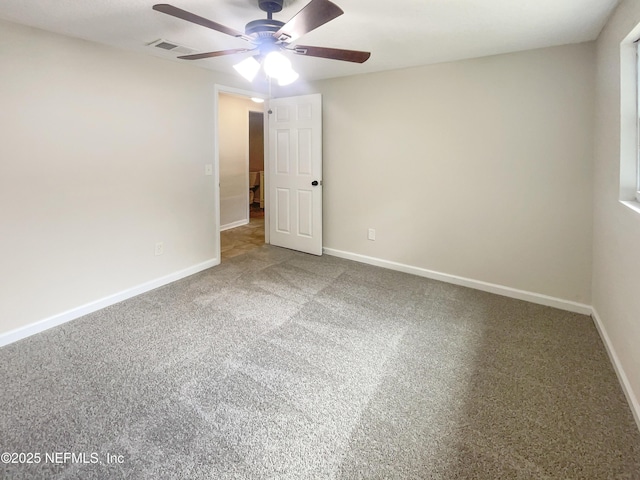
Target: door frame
point(218, 89)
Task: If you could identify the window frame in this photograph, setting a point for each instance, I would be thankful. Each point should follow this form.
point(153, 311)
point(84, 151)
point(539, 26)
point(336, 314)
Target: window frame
point(629, 178)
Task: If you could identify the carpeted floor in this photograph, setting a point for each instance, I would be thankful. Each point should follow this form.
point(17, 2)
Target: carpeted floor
point(281, 365)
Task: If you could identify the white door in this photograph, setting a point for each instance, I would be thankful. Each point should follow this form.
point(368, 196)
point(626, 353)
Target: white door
point(295, 173)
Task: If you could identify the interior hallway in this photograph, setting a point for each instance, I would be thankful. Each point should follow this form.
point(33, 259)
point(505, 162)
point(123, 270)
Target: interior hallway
point(239, 240)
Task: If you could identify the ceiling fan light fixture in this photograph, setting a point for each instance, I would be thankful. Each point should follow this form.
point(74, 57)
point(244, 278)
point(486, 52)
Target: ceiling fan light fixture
point(276, 64)
point(288, 77)
point(267, 36)
point(248, 68)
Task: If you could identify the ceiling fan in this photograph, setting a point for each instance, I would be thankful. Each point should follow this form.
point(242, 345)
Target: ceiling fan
point(269, 36)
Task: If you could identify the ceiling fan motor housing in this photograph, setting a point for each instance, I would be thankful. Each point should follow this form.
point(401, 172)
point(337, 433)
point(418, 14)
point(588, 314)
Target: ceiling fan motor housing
point(265, 27)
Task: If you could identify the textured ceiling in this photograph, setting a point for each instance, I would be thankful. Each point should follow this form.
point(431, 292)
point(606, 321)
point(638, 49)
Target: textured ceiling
point(399, 33)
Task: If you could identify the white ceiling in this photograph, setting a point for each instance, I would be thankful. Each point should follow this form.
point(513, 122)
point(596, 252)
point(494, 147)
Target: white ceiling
point(399, 33)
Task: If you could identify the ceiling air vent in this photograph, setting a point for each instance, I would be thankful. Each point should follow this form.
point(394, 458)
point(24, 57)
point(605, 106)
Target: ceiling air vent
point(172, 47)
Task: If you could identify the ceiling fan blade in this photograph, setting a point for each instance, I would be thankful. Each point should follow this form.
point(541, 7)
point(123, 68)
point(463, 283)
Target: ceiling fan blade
point(332, 53)
point(219, 53)
point(193, 18)
point(313, 15)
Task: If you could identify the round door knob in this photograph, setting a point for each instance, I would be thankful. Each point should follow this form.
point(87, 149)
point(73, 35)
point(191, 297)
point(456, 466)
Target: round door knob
point(314, 183)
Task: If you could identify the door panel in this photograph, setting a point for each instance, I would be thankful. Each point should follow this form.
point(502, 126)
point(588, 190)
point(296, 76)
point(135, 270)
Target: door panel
point(282, 151)
point(305, 213)
point(305, 154)
point(283, 209)
point(295, 151)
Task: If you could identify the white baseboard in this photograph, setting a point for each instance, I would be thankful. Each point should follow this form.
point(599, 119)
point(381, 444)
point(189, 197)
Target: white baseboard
point(45, 324)
point(239, 223)
point(467, 282)
point(617, 366)
point(55, 320)
point(546, 300)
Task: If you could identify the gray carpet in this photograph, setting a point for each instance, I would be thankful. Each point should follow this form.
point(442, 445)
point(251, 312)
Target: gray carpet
point(277, 364)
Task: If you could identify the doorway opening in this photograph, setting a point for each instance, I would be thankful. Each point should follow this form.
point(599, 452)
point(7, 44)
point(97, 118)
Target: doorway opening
point(241, 161)
point(256, 164)
point(292, 178)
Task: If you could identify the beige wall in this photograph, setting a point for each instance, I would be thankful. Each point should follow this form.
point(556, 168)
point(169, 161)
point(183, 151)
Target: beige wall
point(233, 134)
point(102, 155)
point(256, 142)
point(479, 168)
point(616, 249)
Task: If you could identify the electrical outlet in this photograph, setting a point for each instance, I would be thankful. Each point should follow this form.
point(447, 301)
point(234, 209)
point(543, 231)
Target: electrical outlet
point(159, 248)
point(208, 169)
point(372, 234)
